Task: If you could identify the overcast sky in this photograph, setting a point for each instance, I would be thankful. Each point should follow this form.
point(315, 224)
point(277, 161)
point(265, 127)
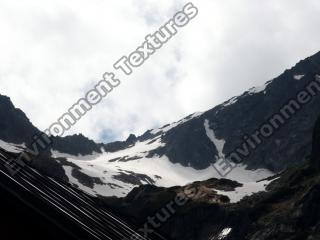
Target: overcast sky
point(52, 52)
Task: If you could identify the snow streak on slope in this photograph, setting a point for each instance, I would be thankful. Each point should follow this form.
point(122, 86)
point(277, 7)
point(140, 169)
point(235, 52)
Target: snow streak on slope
point(298, 77)
point(259, 89)
point(252, 91)
point(109, 188)
point(230, 102)
point(224, 233)
point(219, 144)
point(239, 174)
point(11, 147)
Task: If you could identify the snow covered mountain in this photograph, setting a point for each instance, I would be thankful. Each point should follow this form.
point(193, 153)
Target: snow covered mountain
point(183, 152)
point(119, 172)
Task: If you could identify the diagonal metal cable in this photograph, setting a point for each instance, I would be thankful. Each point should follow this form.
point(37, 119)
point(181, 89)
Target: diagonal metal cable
point(50, 190)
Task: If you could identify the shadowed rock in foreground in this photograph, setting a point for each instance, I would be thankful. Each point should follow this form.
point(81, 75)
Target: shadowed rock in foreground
point(315, 156)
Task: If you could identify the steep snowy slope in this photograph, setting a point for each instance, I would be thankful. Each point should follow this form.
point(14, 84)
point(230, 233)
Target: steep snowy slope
point(12, 147)
point(117, 173)
point(123, 170)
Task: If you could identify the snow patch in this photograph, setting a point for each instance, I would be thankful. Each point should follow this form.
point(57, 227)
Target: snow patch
point(260, 88)
point(247, 189)
point(160, 170)
point(224, 233)
point(107, 165)
point(112, 168)
point(57, 154)
point(240, 174)
point(98, 189)
point(218, 143)
point(230, 102)
point(11, 147)
point(298, 77)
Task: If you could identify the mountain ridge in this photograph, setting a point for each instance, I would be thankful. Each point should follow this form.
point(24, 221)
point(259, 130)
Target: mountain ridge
point(185, 150)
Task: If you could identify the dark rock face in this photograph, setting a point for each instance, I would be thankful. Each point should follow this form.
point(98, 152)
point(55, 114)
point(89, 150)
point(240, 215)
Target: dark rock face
point(291, 142)
point(315, 156)
point(50, 167)
point(188, 143)
point(18, 221)
point(120, 145)
point(75, 145)
point(134, 178)
point(131, 139)
point(15, 127)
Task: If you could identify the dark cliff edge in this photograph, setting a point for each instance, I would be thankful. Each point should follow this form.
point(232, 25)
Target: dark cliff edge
point(15, 127)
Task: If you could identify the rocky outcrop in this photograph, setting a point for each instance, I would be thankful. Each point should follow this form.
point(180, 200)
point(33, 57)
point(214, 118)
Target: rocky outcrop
point(315, 156)
point(15, 127)
point(75, 145)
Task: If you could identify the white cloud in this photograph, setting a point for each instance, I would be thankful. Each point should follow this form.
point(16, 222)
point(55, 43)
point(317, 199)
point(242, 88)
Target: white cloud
point(53, 51)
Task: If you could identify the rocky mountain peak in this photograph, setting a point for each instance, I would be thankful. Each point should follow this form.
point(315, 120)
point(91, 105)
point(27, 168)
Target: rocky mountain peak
point(15, 127)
